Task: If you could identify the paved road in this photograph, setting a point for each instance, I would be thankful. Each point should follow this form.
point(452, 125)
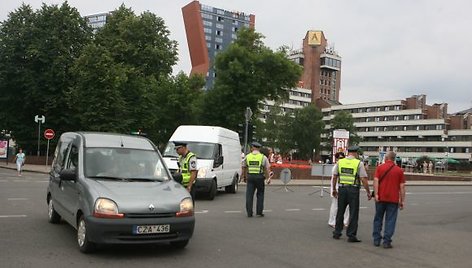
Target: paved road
point(433, 231)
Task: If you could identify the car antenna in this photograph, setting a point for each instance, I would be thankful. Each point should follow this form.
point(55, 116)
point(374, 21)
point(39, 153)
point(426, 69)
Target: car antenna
point(121, 139)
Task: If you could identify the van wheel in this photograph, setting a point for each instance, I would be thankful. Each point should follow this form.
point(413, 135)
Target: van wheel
point(233, 188)
point(212, 192)
point(53, 216)
point(85, 246)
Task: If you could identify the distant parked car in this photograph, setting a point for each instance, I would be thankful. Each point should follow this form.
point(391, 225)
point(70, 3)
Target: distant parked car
point(116, 189)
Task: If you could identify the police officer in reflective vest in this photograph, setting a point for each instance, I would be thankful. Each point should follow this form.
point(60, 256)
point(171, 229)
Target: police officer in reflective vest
point(255, 171)
point(349, 173)
point(187, 165)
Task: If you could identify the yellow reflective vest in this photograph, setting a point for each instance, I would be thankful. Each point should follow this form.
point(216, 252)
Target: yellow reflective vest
point(347, 170)
point(185, 168)
point(254, 163)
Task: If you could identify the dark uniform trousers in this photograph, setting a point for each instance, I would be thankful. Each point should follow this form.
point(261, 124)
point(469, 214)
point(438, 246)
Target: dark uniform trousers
point(347, 195)
point(255, 182)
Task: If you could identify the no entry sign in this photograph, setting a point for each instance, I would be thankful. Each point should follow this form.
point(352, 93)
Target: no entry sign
point(49, 134)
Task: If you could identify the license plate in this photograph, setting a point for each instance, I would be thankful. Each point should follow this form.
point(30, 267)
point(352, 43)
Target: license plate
point(151, 229)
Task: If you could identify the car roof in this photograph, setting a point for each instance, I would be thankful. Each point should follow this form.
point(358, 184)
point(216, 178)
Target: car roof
point(115, 140)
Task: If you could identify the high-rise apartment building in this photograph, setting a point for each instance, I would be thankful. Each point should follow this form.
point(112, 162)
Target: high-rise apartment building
point(210, 30)
point(321, 68)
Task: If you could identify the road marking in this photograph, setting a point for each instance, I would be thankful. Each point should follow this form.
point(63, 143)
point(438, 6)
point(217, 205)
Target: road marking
point(16, 199)
point(267, 210)
point(201, 212)
point(292, 209)
point(233, 211)
point(317, 209)
point(12, 216)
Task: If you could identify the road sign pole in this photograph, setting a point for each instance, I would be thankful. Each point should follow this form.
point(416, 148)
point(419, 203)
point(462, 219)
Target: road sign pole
point(39, 134)
point(47, 154)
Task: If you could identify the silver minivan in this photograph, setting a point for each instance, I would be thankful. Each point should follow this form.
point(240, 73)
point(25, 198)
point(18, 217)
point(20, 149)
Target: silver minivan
point(116, 189)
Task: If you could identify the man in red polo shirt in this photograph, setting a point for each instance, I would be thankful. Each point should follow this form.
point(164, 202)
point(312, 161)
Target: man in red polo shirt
point(389, 189)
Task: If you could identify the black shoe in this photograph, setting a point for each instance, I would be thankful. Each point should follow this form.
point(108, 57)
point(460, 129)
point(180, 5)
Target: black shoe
point(249, 215)
point(377, 243)
point(388, 245)
point(353, 240)
point(336, 236)
point(260, 215)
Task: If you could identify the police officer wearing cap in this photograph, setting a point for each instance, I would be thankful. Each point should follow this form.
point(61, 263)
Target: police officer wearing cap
point(255, 171)
point(348, 174)
point(187, 166)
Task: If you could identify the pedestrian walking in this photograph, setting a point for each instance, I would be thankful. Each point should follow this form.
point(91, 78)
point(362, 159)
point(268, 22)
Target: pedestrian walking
point(349, 173)
point(389, 191)
point(256, 169)
point(334, 201)
point(20, 159)
point(187, 167)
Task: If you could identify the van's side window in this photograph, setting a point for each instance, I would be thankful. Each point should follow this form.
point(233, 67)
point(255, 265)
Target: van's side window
point(73, 159)
point(61, 152)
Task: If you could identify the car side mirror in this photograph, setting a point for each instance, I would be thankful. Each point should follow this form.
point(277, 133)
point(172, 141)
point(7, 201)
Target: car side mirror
point(218, 162)
point(68, 175)
point(177, 177)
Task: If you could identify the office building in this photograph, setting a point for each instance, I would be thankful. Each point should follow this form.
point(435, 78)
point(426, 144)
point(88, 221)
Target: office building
point(209, 31)
point(97, 21)
point(409, 127)
point(321, 68)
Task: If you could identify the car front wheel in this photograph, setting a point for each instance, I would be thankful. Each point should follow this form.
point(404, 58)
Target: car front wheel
point(85, 245)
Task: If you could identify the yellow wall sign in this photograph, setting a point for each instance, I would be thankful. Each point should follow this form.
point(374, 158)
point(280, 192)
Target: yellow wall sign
point(314, 38)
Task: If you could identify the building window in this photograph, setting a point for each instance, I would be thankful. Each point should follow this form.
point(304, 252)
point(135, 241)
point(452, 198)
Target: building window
point(219, 40)
point(406, 117)
point(206, 30)
point(217, 46)
point(207, 16)
point(219, 26)
point(220, 33)
point(207, 37)
point(221, 18)
point(207, 23)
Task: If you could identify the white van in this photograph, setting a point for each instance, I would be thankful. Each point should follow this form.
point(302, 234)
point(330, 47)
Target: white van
point(218, 157)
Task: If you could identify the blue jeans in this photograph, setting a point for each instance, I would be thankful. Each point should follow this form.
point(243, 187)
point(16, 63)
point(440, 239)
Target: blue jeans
point(390, 212)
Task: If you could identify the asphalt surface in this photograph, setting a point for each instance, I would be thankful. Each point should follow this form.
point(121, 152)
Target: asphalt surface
point(434, 230)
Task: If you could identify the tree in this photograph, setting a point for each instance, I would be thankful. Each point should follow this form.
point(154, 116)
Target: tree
point(306, 129)
point(247, 72)
point(343, 120)
point(124, 77)
point(37, 51)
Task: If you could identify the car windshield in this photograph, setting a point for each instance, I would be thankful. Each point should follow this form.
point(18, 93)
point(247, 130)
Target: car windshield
point(203, 150)
point(123, 163)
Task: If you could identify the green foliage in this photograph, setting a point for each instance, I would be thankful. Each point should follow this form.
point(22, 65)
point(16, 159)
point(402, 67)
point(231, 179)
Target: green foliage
point(123, 79)
point(247, 72)
point(344, 120)
point(306, 129)
point(37, 51)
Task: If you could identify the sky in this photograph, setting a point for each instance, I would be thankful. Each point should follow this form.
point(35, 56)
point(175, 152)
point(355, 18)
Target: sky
point(390, 50)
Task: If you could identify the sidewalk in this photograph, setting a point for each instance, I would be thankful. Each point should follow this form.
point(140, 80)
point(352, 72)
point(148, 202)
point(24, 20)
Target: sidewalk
point(435, 180)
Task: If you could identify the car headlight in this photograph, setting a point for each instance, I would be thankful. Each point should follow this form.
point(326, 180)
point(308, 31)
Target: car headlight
point(186, 208)
point(202, 172)
point(106, 208)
